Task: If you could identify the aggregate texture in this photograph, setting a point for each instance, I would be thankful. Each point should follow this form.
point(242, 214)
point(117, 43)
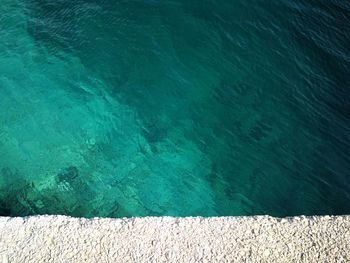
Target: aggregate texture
point(168, 239)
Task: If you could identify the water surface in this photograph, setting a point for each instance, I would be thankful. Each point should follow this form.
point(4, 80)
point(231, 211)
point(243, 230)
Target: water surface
point(182, 108)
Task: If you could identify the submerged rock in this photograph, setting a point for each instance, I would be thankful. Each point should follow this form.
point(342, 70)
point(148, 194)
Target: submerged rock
point(68, 174)
point(4, 209)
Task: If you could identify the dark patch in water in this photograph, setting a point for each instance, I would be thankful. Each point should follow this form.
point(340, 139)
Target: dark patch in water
point(68, 174)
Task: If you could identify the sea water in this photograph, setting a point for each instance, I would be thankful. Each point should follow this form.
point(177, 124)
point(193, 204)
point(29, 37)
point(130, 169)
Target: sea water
point(174, 107)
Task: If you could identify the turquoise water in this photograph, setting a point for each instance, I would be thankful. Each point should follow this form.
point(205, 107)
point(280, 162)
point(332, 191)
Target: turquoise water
point(174, 107)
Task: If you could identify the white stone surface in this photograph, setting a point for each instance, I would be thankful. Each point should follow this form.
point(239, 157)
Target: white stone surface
point(166, 239)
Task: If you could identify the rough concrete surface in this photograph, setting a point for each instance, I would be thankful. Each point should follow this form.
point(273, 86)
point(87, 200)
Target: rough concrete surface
point(166, 239)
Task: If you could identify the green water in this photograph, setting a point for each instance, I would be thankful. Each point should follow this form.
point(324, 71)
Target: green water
point(186, 107)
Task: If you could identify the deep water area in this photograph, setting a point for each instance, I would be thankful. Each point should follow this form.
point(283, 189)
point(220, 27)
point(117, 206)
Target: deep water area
point(174, 107)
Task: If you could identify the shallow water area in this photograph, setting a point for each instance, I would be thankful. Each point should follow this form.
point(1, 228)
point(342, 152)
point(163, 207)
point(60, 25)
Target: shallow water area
point(182, 108)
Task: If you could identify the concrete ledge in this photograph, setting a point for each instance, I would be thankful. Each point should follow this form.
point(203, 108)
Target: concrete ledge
point(167, 239)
